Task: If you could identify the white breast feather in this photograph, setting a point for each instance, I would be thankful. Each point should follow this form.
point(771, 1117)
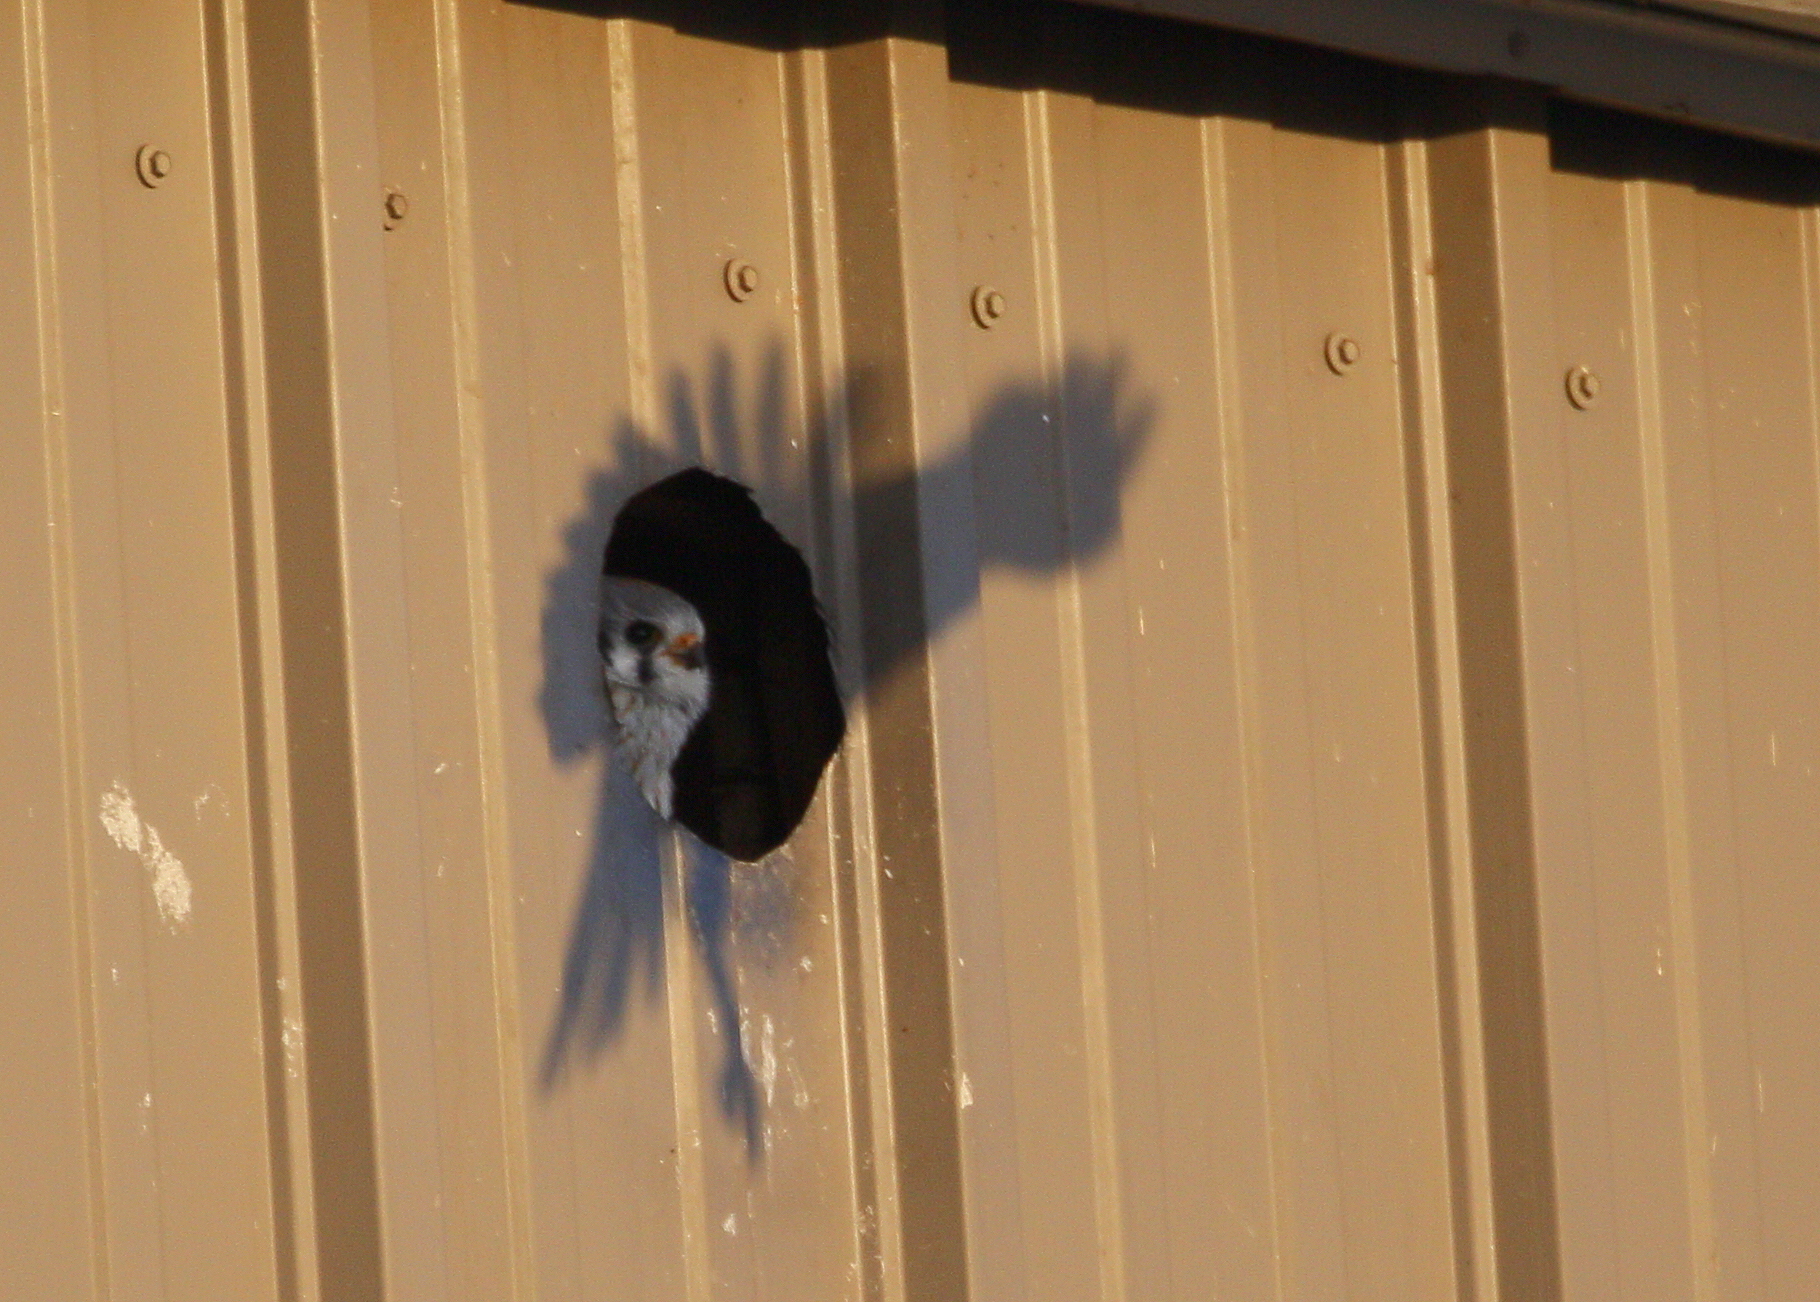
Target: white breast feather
point(649, 732)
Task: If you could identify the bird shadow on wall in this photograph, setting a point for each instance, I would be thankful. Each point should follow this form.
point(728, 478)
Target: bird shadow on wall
point(1066, 445)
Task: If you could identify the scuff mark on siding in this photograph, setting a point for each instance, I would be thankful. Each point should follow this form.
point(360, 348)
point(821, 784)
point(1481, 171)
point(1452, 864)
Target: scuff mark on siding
point(170, 884)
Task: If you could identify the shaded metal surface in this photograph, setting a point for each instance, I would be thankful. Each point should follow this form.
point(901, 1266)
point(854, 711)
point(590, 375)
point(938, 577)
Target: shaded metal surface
point(1667, 60)
point(1323, 564)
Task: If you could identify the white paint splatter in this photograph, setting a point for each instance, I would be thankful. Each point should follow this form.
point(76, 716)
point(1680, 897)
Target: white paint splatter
point(966, 1091)
point(767, 1061)
point(120, 818)
point(293, 1046)
point(211, 793)
point(731, 1224)
point(170, 884)
point(766, 1055)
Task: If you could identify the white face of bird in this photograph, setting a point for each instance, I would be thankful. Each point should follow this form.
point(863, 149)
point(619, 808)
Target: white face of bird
point(651, 641)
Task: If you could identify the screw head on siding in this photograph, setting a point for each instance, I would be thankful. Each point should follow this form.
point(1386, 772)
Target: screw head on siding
point(397, 208)
point(988, 306)
point(1582, 387)
point(153, 165)
point(1342, 353)
point(741, 278)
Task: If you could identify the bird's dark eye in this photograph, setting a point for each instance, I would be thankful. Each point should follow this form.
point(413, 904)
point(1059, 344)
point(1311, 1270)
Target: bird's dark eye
point(641, 634)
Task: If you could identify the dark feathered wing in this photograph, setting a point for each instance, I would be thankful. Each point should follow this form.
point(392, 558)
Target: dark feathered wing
point(748, 771)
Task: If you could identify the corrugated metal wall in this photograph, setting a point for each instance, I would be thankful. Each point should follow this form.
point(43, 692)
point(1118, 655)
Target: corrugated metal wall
point(1330, 809)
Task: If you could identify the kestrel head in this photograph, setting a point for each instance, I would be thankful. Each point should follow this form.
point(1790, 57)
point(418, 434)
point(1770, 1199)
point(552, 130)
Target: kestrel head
point(651, 641)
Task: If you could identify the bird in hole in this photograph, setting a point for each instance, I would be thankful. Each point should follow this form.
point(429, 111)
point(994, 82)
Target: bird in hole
point(656, 678)
point(717, 664)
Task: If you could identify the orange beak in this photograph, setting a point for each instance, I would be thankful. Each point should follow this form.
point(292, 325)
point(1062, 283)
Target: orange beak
point(685, 651)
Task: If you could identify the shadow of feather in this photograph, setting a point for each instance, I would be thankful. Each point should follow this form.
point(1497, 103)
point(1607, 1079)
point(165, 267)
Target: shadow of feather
point(1085, 427)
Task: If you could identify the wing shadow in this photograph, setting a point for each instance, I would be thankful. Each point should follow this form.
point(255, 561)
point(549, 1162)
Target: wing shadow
point(1085, 426)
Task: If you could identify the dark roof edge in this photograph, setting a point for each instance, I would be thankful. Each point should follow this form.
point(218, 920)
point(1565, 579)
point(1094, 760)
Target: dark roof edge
point(1712, 69)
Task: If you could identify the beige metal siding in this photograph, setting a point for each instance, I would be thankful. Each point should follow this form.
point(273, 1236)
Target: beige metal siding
point(552, 999)
point(1325, 813)
point(135, 1124)
point(1666, 548)
point(1243, 1067)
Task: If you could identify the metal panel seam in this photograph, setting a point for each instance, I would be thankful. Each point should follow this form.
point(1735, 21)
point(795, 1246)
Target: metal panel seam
point(489, 716)
point(919, 1127)
point(1231, 435)
point(1096, 1023)
point(300, 492)
point(48, 308)
point(1457, 960)
point(1475, 160)
point(268, 770)
point(1670, 759)
point(679, 975)
point(815, 254)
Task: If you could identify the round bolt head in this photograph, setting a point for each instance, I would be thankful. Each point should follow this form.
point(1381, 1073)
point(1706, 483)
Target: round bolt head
point(397, 207)
point(988, 306)
point(1582, 387)
point(1342, 352)
point(741, 278)
point(153, 165)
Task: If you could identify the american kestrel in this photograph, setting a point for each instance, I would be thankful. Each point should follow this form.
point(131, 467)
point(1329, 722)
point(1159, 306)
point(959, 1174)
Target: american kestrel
point(727, 627)
point(656, 677)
